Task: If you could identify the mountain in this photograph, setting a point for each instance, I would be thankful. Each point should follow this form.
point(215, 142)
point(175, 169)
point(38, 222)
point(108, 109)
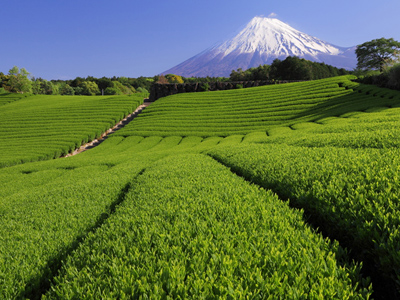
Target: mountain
point(259, 43)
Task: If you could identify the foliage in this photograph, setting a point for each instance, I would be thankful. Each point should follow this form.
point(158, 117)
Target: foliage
point(142, 90)
point(389, 78)
point(377, 54)
point(204, 79)
point(241, 111)
point(259, 73)
point(18, 80)
point(135, 218)
point(43, 225)
point(394, 77)
point(46, 127)
point(172, 78)
point(4, 82)
point(123, 89)
point(89, 88)
point(44, 87)
point(239, 86)
point(211, 235)
point(120, 85)
point(103, 83)
point(292, 68)
point(66, 89)
point(205, 87)
point(112, 91)
point(346, 195)
point(162, 79)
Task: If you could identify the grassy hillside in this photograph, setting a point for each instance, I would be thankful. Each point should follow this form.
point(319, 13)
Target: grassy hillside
point(42, 127)
point(10, 97)
point(224, 113)
point(163, 215)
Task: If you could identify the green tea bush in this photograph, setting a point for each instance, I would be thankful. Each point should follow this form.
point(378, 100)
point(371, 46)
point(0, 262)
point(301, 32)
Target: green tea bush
point(241, 111)
point(190, 229)
point(46, 127)
point(350, 193)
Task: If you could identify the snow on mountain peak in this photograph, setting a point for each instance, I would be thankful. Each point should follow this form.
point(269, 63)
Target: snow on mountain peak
point(272, 36)
point(260, 42)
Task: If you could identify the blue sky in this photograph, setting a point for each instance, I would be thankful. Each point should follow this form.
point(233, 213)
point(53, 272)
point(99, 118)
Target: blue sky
point(56, 39)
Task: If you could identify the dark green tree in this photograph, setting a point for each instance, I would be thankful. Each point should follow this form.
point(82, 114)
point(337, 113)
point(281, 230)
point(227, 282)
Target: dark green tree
point(377, 54)
point(104, 83)
point(76, 82)
point(292, 68)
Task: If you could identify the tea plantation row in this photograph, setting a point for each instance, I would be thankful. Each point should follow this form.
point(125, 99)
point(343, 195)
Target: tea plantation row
point(152, 213)
point(117, 221)
point(224, 113)
point(44, 127)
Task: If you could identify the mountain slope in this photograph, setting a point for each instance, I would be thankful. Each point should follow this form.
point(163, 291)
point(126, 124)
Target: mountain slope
point(260, 42)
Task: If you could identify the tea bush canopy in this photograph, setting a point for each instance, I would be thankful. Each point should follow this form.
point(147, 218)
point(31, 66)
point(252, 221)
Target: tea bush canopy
point(188, 201)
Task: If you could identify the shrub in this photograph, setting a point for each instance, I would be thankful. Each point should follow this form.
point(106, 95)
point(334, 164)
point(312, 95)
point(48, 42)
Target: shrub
point(162, 80)
point(89, 88)
point(394, 77)
point(172, 78)
point(142, 90)
point(112, 91)
point(205, 87)
point(66, 89)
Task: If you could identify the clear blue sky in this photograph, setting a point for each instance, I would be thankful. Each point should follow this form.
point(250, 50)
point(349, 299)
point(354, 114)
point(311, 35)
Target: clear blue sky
point(56, 39)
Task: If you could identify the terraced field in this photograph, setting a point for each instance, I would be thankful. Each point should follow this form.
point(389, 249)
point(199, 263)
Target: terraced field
point(224, 113)
point(168, 211)
point(44, 127)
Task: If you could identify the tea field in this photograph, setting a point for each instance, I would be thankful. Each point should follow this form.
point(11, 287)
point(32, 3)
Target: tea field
point(274, 192)
point(44, 127)
point(224, 113)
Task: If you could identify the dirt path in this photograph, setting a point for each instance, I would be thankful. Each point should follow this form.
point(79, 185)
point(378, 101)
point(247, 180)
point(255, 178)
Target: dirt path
point(118, 126)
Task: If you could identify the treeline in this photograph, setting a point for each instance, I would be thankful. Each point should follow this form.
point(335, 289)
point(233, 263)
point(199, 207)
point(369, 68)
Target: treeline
point(18, 81)
point(291, 68)
point(388, 78)
point(172, 78)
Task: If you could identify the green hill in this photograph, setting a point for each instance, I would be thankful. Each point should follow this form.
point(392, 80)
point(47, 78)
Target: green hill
point(44, 127)
point(197, 207)
point(224, 113)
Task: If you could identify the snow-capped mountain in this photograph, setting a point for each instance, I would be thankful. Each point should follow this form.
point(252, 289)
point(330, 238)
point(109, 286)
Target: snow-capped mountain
point(260, 42)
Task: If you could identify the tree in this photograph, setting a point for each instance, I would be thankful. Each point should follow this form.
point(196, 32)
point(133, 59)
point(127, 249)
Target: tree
point(112, 91)
point(89, 88)
point(393, 75)
point(104, 83)
point(162, 80)
point(66, 89)
point(172, 78)
point(19, 81)
point(377, 54)
point(292, 68)
point(4, 81)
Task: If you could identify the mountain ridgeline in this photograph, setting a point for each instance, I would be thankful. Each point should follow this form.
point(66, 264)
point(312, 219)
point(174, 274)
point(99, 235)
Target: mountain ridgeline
point(261, 42)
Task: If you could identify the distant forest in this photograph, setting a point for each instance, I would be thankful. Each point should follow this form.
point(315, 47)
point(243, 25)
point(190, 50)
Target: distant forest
point(291, 68)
